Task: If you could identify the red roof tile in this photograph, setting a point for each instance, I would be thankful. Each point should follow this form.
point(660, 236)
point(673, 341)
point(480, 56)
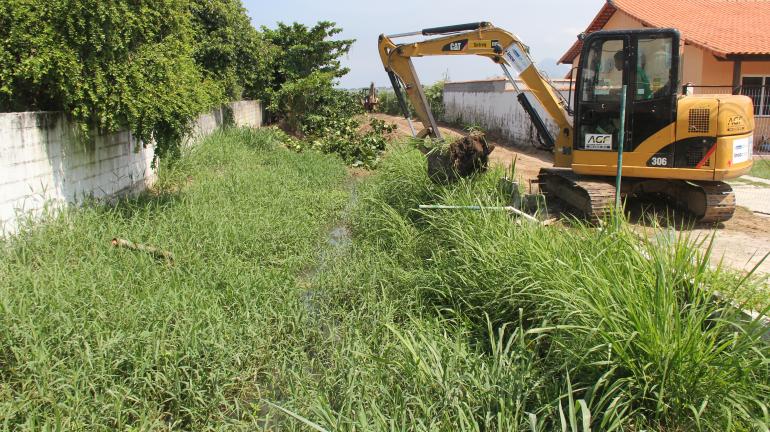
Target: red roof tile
point(724, 27)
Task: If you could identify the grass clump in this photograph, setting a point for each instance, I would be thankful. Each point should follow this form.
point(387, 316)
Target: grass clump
point(761, 168)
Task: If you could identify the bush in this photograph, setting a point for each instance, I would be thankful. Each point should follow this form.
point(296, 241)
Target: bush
point(304, 54)
point(389, 104)
point(435, 95)
point(110, 64)
point(306, 102)
point(229, 49)
point(343, 136)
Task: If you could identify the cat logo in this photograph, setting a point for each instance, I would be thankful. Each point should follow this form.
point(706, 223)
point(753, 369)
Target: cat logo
point(456, 45)
point(598, 142)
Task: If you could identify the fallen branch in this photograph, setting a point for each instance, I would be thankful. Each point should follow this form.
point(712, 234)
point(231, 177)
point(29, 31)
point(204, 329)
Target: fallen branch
point(152, 250)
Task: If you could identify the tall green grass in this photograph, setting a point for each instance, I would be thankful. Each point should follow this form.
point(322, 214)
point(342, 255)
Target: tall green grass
point(474, 321)
point(422, 321)
point(97, 338)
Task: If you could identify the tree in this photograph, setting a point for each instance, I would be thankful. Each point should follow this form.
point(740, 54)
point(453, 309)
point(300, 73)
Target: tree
point(230, 49)
point(110, 64)
point(308, 61)
point(304, 50)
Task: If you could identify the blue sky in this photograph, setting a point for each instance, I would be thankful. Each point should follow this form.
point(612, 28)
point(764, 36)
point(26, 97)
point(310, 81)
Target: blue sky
point(549, 27)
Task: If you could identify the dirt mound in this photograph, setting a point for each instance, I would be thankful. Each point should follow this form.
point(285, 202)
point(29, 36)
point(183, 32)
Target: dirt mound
point(464, 157)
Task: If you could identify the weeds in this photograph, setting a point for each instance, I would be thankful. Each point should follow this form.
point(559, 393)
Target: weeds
point(426, 321)
point(93, 337)
point(608, 333)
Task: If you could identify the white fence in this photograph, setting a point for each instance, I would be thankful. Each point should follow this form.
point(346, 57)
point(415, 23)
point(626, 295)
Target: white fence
point(45, 164)
point(492, 104)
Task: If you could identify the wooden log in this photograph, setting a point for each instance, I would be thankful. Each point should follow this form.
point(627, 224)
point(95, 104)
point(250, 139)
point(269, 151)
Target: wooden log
point(152, 250)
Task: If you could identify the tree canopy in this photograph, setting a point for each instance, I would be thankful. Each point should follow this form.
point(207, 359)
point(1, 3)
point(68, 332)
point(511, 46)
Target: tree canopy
point(151, 65)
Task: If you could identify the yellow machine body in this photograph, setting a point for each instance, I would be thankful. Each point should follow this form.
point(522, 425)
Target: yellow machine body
point(730, 121)
point(675, 145)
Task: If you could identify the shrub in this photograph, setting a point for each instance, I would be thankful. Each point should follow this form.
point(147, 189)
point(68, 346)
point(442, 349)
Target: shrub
point(230, 49)
point(306, 58)
point(110, 64)
point(343, 136)
point(389, 104)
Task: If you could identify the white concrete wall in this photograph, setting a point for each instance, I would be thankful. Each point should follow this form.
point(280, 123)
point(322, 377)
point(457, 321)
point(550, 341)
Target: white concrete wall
point(45, 165)
point(494, 106)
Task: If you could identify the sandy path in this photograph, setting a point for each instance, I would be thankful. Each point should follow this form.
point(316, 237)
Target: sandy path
point(741, 242)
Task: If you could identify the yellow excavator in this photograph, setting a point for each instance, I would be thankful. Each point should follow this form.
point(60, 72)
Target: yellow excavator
point(679, 146)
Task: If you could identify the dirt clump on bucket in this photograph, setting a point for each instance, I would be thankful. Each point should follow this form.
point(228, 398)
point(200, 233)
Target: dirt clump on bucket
point(463, 157)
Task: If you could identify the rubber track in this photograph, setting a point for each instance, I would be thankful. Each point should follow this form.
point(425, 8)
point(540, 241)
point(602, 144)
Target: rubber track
point(593, 196)
point(720, 201)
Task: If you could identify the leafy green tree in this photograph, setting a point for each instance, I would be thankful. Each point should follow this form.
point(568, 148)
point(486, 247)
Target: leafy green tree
point(230, 49)
point(303, 51)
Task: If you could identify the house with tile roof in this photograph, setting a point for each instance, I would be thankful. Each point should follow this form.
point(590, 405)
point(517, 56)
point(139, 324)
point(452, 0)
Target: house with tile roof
point(725, 44)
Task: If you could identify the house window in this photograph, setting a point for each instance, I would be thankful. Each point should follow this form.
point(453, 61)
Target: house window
point(758, 89)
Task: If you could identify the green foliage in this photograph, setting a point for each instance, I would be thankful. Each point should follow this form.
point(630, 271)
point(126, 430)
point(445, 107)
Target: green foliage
point(305, 51)
point(305, 99)
point(97, 338)
point(389, 104)
point(110, 64)
point(230, 49)
point(433, 93)
point(308, 61)
point(277, 315)
point(435, 96)
point(306, 102)
point(609, 331)
point(343, 136)
point(761, 168)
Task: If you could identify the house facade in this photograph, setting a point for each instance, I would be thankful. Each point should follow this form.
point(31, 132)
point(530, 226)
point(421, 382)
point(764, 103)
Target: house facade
point(725, 45)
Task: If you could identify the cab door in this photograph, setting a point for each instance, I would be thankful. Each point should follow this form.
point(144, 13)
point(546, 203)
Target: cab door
point(654, 73)
point(602, 74)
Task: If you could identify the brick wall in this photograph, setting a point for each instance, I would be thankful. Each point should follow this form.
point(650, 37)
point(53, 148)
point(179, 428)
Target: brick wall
point(45, 165)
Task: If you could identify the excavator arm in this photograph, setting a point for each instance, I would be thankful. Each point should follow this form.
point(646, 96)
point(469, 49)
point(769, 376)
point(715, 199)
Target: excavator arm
point(482, 39)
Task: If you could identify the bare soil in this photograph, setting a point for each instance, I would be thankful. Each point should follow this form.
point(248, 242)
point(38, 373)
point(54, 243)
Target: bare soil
point(741, 243)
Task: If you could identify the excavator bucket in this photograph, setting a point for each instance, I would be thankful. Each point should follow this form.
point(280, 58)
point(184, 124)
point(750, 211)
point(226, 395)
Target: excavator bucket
point(464, 157)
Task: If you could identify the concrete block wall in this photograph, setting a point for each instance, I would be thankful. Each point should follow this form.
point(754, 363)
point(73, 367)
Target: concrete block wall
point(45, 164)
point(492, 104)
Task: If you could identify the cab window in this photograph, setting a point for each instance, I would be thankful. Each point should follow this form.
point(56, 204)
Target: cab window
point(653, 68)
point(603, 72)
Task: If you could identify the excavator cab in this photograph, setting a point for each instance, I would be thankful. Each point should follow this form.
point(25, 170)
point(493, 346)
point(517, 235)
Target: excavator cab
point(647, 62)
